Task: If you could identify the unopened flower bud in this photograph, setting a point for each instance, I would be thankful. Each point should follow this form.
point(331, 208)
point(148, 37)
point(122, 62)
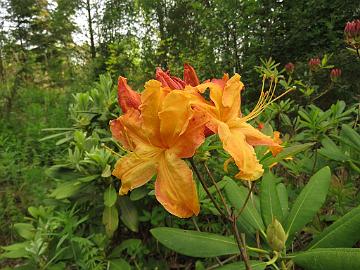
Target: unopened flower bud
point(289, 68)
point(314, 64)
point(335, 74)
point(276, 236)
point(352, 34)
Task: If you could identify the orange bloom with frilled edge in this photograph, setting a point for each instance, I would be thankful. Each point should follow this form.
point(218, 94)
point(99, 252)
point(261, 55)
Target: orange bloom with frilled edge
point(165, 130)
point(238, 137)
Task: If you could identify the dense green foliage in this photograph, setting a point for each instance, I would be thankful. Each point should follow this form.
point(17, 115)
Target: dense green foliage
point(59, 207)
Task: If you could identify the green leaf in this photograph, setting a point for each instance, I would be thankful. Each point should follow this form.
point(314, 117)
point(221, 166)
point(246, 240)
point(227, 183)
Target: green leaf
point(119, 264)
point(309, 201)
point(110, 196)
point(269, 200)
point(107, 171)
point(25, 230)
point(342, 233)
point(61, 172)
point(285, 153)
point(128, 244)
point(110, 219)
point(14, 251)
point(329, 259)
point(332, 151)
point(66, 190)
point(350, 136)
point(138, 193)
point(237, 196)
point(129, 214)
point(194, 243)
point(283, 198)
point(255, 265)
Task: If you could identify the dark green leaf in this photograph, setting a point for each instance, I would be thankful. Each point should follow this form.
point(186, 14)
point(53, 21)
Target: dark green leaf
point(309, 201)
point(128, 213)
point(255, 265)
point(195, 244)
point(342, 233)
point(269, 200)
point(110, 219)
point(329, 259)
point(110, 196)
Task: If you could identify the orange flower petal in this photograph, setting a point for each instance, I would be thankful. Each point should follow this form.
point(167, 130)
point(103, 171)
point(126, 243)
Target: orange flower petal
point(152, 99)
point(235, 144)
point(127, 129)
point(127, 97)
point(231, 99)
point(190, 76)
point(276, 149)
point(136, 169)
point(253, 136)
point(192, 138)
point(175, 188)
point(169, 81)
point(175, 116)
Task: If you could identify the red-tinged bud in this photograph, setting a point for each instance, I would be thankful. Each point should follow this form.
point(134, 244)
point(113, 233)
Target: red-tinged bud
point(127, 97)
point(190, 76)
point(335, 74)
point(352, 34)
point(261, 126)
point(314, 64)
point(169, 81)
point(289, 68)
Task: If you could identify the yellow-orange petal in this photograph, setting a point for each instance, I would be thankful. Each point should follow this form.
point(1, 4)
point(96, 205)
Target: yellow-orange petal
point(127, 98)
point(253, 136)
point(187, 143)
point(127, 129)
point(235, 144)
point(152, 99)
point(136, 169)
point(231, 98)
point(175, 188)
point(276, 149)
point(175, 116)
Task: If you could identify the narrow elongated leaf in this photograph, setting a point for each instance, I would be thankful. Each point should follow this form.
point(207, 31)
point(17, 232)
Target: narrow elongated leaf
point(309, 201)
point(351, 136)
point(66, 190)
point(286, 152)
point(329, 259)
point(342, 233)
point(119, 264)
point(269, 199)
point(110, 219)
point(332, 151)
point(283, 198)
point(128, 213)
point(110, 196)
point(255, 265)
point(15, 251)
point(237, 196)
point(194, 243)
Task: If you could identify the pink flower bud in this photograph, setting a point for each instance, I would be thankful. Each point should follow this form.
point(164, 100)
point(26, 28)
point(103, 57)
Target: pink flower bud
point(352, 34)
point(289, 67)
point(335, 74)
point(314, 64)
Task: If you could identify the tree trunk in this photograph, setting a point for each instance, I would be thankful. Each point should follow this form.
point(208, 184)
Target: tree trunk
point(91, 30)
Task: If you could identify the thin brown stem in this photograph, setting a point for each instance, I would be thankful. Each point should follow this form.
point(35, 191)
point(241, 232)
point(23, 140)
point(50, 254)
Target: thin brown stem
point(202, 181)
point(240, 242)
point(217, 189)
point(246, 200)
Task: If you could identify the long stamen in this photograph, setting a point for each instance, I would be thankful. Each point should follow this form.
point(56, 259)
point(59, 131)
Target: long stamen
point(265, 99)
point(110, 150)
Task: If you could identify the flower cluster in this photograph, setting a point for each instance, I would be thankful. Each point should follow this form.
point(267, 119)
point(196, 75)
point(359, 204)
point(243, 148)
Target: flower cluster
point(352, 34)
point(289, 67)
point(169, 120)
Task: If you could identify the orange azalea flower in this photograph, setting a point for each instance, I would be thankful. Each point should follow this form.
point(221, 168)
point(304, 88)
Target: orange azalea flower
point(277, 148)
point(238, 137)
point(165, 130)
